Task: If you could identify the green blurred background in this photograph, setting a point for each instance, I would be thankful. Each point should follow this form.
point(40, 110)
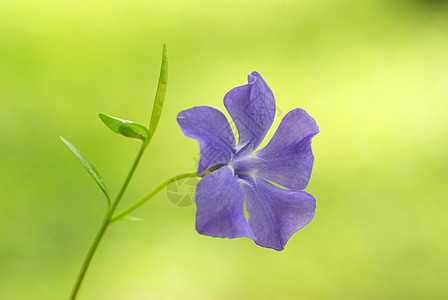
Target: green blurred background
point(373, 73)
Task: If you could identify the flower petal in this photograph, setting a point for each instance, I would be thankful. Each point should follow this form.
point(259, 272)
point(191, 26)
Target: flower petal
point(288, 159)
point(275, 214)
point(252, 107)
point(220, 208)
point(212, 130)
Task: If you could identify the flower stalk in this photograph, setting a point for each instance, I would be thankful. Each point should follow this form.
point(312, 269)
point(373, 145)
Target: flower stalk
point(154, 192)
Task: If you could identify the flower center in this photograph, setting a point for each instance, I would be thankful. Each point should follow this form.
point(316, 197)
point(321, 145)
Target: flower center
point(248, 164)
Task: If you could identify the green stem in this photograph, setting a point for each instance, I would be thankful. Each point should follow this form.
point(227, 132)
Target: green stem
point(104, 225)
point(88, 258)
point(150, 195)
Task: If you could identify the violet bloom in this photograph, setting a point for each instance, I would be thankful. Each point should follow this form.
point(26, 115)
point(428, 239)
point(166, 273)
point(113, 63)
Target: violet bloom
point(239, 175)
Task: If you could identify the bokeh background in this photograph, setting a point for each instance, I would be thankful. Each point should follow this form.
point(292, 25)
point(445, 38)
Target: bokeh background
point(373, 73)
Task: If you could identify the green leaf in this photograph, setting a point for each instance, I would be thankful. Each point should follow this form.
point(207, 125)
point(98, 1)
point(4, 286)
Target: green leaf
point(160, 94)
point(127, 218)
point(125, 127)
point(89, 167)
point(113, 123)
point(134, 219)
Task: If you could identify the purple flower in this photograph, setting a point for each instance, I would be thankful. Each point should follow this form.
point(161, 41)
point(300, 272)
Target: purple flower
point(240, 176)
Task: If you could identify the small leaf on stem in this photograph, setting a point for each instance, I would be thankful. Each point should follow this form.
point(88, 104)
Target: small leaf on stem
point(89, 167)
point(160, 94)
point(125, 127)
point(134, 219)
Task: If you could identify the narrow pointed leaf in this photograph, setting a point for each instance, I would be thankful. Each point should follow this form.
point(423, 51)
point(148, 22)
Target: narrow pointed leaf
point(125, 127)
point(134, 219)
point(160, 94)
point(89, 167)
